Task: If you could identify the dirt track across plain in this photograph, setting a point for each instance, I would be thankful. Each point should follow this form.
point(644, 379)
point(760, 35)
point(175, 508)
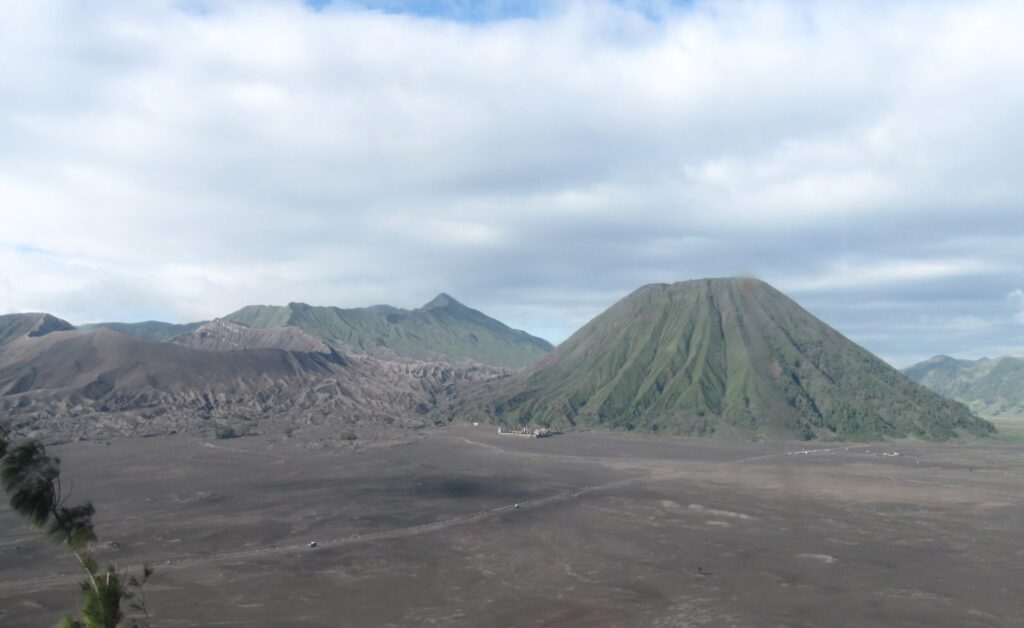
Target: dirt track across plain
point(610, 531)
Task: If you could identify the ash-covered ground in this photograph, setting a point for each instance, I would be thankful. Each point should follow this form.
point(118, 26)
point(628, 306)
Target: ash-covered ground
point(609, 531)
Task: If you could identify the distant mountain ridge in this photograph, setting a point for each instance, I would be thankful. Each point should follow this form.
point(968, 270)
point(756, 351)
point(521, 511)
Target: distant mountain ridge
point(441, 329)
point(727, 356)
point(992, 387)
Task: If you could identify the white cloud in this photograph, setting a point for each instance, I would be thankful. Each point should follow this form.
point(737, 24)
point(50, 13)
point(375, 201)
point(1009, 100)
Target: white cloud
point(957, 324)
point(870, 273)
point(1016, 299)
point(180, 164)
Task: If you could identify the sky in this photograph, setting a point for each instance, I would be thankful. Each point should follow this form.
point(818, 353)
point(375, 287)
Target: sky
point(176, 160)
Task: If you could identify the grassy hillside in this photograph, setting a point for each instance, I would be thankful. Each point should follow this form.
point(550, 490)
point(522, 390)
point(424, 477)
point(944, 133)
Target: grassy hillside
point(990, 387)
point(722, 356)
point(441, 329)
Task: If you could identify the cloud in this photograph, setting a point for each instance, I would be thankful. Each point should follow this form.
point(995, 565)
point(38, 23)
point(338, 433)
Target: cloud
point(1016, 299)
point(179, 160)
point(957, 324)
point(844, 274)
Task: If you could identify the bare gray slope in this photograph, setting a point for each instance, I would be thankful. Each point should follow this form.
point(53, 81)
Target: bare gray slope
point(223, 335)
point(31, 324)
point(91, 383)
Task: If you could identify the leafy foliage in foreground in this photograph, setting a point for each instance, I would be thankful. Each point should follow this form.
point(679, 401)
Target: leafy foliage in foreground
point(31, 479)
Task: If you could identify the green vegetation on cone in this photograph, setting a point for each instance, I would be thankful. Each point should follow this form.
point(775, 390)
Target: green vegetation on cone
point(727, 356)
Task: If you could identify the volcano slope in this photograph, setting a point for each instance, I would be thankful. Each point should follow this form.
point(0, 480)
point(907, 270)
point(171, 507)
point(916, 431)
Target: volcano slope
point(64, 383)
point(730, 356)
point(294, 366)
